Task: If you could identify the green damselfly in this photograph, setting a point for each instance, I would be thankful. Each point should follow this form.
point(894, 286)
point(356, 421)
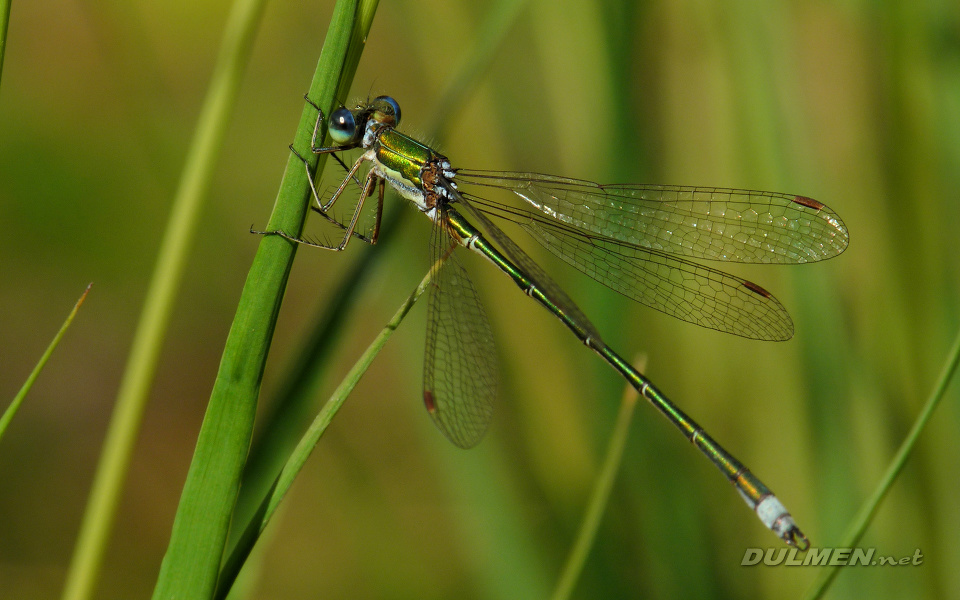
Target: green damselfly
point(635, 239)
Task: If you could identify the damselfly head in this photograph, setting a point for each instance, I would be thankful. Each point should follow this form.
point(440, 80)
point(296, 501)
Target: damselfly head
point(347, 126)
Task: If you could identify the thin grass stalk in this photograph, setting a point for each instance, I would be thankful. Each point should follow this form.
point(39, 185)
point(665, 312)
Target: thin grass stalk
point(18, 399)
point(310, 440)
point(860, 523)
point(600, 495)
point(164, 285)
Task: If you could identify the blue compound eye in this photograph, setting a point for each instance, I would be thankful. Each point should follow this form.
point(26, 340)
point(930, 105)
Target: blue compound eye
point(387, 108)
point(343, 126)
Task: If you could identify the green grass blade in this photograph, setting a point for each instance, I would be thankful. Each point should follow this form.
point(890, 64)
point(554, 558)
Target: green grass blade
point(124, 427)
point(4, 21)
point(18, 399)
point(859, 525)
point(309, 441)
point(600, 496)
point(192, 561)
point(287, 417)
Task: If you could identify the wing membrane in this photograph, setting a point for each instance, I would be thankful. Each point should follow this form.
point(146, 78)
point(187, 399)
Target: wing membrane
point(695, 222)
point(680, 288)
point(673, 285)
point(539, 277)
point(460, 363)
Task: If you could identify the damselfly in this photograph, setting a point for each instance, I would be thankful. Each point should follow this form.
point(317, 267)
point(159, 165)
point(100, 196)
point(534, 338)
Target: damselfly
point(635, 239)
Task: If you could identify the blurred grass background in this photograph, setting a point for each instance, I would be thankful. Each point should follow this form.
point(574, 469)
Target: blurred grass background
point(854, 104)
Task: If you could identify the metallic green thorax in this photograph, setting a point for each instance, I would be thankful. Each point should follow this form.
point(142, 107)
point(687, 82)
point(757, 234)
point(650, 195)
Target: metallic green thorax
point(401, 160)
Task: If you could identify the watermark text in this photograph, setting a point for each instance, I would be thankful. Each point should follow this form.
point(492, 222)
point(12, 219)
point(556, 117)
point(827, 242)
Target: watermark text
point(824, 557)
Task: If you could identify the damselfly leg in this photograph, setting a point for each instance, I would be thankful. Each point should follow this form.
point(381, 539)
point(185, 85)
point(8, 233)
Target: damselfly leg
point(371, 182)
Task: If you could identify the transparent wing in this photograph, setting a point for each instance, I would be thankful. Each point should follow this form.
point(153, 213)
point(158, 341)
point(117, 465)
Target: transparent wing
point(460, 362)
point(696, 222)
point(531, 269)
point(678, 287)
